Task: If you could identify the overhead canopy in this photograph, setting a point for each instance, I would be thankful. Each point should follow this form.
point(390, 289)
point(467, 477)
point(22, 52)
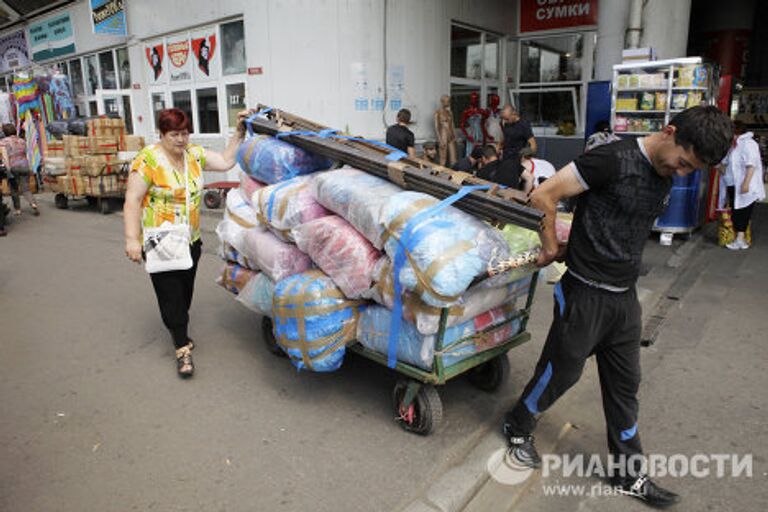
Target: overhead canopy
point(17, 11)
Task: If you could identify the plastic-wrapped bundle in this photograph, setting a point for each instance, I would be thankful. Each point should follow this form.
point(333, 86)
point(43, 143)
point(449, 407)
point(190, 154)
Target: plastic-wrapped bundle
point(257, 294)
point(229, 253)
point(447, 250)
point(271, 160)
point(357, 197)
point(239, 210)
point(232, 237)
point(284, 206)
point(313, 321)
point(473, 302)
point(340, 251)
point(233, 277)
point(485, 331)
point(248, 186)
point(272, 256)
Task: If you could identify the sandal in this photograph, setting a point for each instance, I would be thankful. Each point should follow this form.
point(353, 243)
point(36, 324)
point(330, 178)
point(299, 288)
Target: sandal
point(35, 211)
point(184, 364)
point(17, 213)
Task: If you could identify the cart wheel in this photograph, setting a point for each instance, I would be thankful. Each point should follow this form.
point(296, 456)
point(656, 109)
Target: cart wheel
point(424, 414)
point(60, 200)
point(212, 199)
point(490, 375)
point(103, 205)
point(269, 337)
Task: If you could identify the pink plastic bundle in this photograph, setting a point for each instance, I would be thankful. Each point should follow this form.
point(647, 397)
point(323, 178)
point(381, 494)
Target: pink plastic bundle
point(248, 186)
point(277, 259)
point(340, 251)
point(285, 205)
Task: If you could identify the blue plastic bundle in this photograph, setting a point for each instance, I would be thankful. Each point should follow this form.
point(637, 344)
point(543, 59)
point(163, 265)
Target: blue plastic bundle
point(270, 160)
point(461, 341)
point(446, 251)
point(313, 321)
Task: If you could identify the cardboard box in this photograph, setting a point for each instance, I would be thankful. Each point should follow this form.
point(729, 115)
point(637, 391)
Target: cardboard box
point(99, 186)
point(76, 145)
point(74, 165)
point(55, 149)
point(133, 143)
point(96, 165)
point(103, 145)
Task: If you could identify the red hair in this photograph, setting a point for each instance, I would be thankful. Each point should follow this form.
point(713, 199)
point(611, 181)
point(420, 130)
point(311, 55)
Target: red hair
point(173, 120)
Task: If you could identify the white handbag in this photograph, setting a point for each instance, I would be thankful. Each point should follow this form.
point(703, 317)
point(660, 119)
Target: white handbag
point(167, 247)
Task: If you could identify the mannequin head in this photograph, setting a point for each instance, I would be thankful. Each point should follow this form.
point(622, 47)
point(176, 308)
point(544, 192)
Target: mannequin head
point(474, 99)
point(445, 101)
point(493, 101)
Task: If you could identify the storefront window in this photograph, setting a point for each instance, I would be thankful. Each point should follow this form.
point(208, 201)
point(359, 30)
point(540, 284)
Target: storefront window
point(107, 67)
point(127, 113)
point(183, 101)
point(76, 75)
point(233, 47)
point(466, 53)
point(551, 59)
point(208, 110)
point(491, 57)
point(123, 67)
point(158, 104)
point(91, 76)
point(460, 99)
point(554, 109)
point(235, 102)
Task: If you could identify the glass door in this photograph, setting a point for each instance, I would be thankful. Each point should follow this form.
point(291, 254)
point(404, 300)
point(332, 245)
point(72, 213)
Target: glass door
point(112, 103)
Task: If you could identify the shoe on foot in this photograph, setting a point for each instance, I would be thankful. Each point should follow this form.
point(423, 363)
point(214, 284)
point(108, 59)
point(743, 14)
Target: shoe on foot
point(743, 244)
point(17, 213)
point(734, 246)
point(184, 364)
point(3, 232)
point(643, 489)
point(522, 451)
point(35, 211)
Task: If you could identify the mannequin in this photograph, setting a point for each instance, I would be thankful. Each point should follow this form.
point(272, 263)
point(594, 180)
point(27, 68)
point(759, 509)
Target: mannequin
point(473, 124)
point(445, 131)
point(493, 122)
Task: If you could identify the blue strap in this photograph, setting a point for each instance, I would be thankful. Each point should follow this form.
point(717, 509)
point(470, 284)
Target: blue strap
point(249, 121)
point(406, 243)
point(329, 133)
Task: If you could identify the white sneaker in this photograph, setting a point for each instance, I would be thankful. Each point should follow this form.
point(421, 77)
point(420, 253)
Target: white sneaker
point(734, 246)
point(744, 244)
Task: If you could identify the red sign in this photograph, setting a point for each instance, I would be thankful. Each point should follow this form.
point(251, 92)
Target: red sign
point(204, 50)
point(255, 71)
point(178, 52)
point(155, 59)
point(136, 86)
point(536, 15)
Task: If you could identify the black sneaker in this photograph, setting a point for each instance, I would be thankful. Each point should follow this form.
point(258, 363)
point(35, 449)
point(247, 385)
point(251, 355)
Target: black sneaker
point(648, 492)
point(521, 451)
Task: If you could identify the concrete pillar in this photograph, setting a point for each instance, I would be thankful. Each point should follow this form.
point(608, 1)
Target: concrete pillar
point(665, 27)
point(611, 27)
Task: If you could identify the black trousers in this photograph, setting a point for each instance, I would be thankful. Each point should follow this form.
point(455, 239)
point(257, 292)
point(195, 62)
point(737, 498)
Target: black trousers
point(174, 291)
point(741, 216)
point(587, 321)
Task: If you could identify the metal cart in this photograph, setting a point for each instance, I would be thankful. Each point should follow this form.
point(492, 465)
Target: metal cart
point(415, 399)
point(103, 197)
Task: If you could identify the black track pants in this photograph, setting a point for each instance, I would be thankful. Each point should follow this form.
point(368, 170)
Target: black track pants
point(589, 321)
point(174, 291)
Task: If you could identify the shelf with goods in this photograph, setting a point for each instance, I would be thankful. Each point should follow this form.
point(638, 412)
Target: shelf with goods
point(647, 95)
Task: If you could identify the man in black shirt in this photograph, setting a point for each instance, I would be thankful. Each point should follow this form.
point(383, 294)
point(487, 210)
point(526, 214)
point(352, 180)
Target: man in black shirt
point(399, 136)
point(621, 187)
point(517, 134)
point(471, 162)
point(503, 172)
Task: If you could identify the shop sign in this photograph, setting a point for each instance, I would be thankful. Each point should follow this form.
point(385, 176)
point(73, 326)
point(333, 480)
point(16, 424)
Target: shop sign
point(51, 38)
point(206, 61)
point(537, 15)
point(178, 54)
point(108, 17)
point(13, 52)
point(155, 59)
point(256, 71)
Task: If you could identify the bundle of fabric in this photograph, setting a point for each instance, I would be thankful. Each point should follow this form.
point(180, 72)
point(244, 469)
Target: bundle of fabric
point(480, 333)
point(472, 303)
point(271, 160)
point(286, 205)
point(340, 251)
point(229, 253)
point(234, 277)
point(248, 186)
point(447, 248)
point(276, 258)
point(239, 210)
point(257, 294)
point(313, 321)
point(357, 197)
point(232, 238)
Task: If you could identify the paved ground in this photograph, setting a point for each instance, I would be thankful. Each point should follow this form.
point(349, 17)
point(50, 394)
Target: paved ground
point(93, 417)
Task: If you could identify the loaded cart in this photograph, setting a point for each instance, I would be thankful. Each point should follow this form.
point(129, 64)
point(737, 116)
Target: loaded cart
point(428, 271)
point(102, 190)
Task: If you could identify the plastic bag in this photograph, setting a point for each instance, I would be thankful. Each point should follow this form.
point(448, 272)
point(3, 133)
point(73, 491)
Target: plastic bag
point(234, 278)
point(284, 206)
point(248, 186)
point(313, 321)
point(277, 259)
point(232, 237)
point(257, 294)
point(461, 341)
point(357, 197)
point(239, 210)
point(340, 251)
point(271, 160)
point(447, 251)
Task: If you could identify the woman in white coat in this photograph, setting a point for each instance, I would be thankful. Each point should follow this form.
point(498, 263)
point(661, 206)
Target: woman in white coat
point(743, 183)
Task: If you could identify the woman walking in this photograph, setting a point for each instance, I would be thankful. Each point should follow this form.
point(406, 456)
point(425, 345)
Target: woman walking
point(13, 151)
point(165, 186)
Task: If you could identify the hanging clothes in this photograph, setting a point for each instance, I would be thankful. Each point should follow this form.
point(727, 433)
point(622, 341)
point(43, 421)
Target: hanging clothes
point(61, 92)
point(27, 95)
point(6, 108)
point(32, 131)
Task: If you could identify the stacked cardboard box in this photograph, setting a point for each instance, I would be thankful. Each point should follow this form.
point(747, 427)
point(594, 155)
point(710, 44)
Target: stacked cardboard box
point(108, 128)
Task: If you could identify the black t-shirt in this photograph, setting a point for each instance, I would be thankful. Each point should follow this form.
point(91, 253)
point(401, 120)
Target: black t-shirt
point(503, 172)
point(400, 137)
point(516, 137)
point(615, 214)
point(464, 164)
